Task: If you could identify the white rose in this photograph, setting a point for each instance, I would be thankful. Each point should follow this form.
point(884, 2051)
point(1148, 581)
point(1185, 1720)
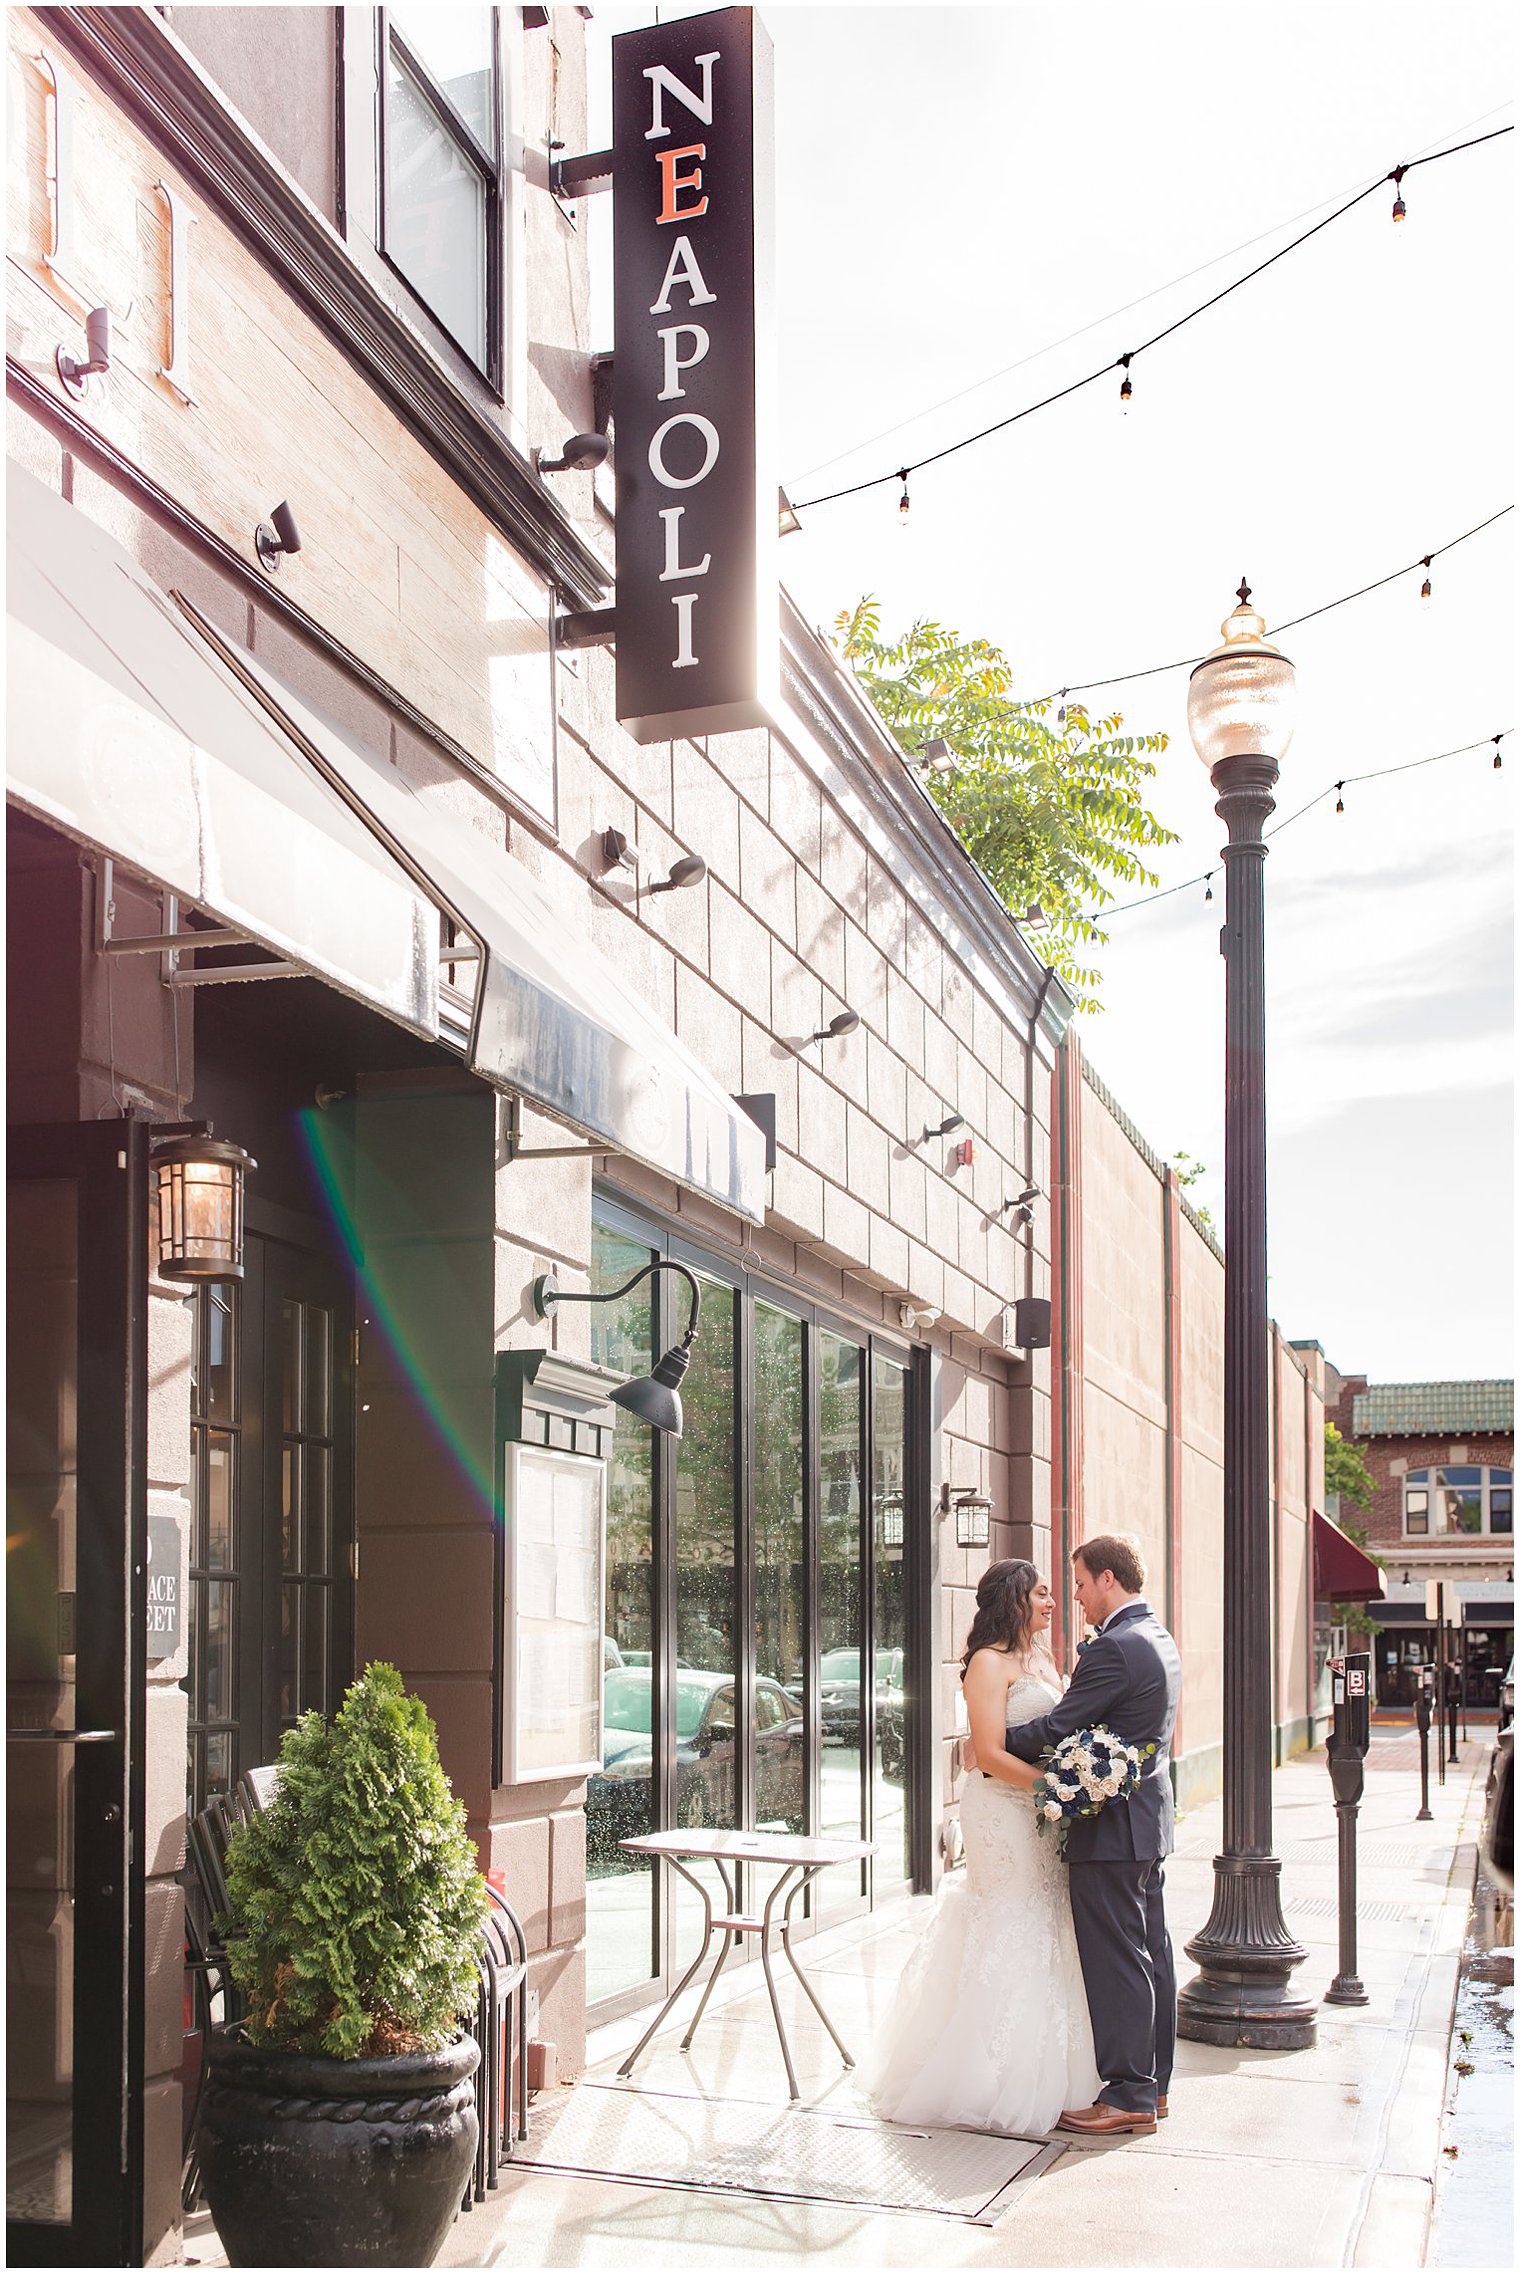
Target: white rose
point(1053, 1810)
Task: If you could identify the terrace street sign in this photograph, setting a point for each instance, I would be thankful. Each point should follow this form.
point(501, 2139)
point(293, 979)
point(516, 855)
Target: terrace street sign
point(697, 615)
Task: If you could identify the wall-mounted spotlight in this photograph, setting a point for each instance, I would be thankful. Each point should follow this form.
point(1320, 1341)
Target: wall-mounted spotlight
point(617, 853)
point(841, 1024)
point(934, 757)
point(1022, 1202)
point(276, 537)
point(578, 456)
point(97, 332)
point(200, 1180)
point(689, 870)
point(916, 1315)
point(943, 1129)
point(655, 1397)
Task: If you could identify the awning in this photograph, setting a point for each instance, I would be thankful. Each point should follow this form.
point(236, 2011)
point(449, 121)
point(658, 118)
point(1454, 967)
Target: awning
point(554, 1021)
point(1343, 1572)
point(126, 732)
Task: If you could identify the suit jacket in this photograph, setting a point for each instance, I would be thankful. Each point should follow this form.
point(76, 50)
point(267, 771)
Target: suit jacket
point(1127, 1680)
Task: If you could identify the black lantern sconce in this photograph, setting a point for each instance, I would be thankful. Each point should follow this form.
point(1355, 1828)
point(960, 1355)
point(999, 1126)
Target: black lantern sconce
point(655, 1397)
point(973, 1516)
point(891, 1507)
point(199, 1181)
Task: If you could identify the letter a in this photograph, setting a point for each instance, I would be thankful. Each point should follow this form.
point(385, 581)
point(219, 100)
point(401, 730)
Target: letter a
point(682, 269)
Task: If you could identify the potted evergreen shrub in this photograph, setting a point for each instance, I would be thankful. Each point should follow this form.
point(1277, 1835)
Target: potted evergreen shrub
point(338, 2124)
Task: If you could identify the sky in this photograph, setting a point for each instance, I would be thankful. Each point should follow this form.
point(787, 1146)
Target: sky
point(978, 205)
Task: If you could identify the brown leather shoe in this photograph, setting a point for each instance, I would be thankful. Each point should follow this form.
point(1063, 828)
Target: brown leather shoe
point(1102, 2122)
point(1161, 2106)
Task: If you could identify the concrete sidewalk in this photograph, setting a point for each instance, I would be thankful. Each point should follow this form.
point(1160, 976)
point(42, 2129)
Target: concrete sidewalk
point(1319, 2158)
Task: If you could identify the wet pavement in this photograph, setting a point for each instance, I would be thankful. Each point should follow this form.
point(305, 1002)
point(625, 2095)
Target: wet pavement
point(1473, 2218)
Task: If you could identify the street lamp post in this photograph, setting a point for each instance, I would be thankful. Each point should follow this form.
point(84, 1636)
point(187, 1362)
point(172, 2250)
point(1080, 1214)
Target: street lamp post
point(1240, 717)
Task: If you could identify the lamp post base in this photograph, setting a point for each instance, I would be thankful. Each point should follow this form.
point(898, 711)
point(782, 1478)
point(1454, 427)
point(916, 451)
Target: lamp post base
point(1242, 1993)
point(1347, 1990)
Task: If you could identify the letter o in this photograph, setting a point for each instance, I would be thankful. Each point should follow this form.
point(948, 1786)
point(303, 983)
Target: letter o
point(709, 434)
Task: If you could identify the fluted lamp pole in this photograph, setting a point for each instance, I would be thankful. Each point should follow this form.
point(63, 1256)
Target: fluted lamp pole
point(1240, 715)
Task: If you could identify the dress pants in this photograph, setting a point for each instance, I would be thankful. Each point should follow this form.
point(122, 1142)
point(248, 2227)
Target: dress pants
point(1131, 1981)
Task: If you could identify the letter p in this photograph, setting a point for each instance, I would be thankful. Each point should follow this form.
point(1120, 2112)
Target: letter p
point(670, 337)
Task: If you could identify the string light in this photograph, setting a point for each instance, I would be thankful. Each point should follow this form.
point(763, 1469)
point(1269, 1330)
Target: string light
point(1185, 662)
point(1498, 758)
point(903, 501)
point(1374, 774)
point(875, 481)
point(1340, 803)
point(1209, 886)
point(1397, 179)
point(1061, 713)
point(1126, 390)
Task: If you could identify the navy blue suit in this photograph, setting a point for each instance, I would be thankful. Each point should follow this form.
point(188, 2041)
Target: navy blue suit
point(1127, 1679)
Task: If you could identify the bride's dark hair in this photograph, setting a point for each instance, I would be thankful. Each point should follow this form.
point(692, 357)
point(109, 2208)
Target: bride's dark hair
point(1004, 1617)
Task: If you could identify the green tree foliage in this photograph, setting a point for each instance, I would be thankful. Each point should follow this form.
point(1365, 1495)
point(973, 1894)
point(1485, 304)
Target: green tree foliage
point(356, 1899)
point(1349, 1478)
point(1054, 815)
point(1191, 1172)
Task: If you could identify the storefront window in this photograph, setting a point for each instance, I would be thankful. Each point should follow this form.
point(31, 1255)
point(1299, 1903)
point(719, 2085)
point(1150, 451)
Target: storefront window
point(442, 172)
point(889, 1817)
point(621, 1950)
point(728, 1685)
point(780, 1606)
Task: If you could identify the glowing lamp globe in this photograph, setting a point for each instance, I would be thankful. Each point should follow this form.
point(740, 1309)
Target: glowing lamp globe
point(1241, 697)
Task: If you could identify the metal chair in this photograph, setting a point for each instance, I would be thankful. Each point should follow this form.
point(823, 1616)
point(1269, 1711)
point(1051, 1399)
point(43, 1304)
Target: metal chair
point(216, 2000)
point(500, 2027)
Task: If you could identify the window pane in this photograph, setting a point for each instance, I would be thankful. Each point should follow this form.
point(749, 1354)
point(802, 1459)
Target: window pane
point(218, 1389)
point(841, 1606)
point(290, 1509)
point(1463, 1476)
point(706, 1590)
point(1416, 1522)
point(319, 1341)
point(889, 1817)
point(1501, 1517)
point(317, 1461)
point(216, 1651)
point(218, 1501)
point(780, 1649)
point(435, 215)
point(1500, 1476)
point(290, 1349)
point(454, 46)
point(620, 1920)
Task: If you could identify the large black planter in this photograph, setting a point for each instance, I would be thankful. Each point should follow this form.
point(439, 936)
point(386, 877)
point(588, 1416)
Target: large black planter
point(310, 2162)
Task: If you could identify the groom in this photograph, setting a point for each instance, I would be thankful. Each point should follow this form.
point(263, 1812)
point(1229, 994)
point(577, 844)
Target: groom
point(1127, 1679)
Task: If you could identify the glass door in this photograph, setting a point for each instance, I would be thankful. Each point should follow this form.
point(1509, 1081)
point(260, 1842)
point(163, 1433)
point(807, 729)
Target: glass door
point(76, 1612)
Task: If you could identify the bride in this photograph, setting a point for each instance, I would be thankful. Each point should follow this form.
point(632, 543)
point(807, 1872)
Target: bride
point(989, 2028)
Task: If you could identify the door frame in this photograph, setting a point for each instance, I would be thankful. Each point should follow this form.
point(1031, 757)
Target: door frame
point(108, 1163)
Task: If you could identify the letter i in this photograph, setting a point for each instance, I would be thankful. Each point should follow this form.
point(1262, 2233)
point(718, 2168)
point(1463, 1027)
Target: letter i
point(683, 603)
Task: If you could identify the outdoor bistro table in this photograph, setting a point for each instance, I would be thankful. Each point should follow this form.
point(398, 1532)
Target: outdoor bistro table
point(800, 1861)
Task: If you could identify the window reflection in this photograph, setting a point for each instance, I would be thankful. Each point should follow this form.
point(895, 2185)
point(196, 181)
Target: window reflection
point(841, 1388)
point(889, 1816)
point(780, 1641)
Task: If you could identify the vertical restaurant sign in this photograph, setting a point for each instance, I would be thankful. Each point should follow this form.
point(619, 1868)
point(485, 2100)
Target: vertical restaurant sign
point(697, 616)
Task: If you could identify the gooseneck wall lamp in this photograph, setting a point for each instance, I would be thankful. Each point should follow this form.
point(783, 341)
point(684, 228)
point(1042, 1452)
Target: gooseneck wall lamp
point(841, 1024)
point(579, 455)
point(199, 1180)
point(689, 870)
point(656, 1397)
point(1240, 716)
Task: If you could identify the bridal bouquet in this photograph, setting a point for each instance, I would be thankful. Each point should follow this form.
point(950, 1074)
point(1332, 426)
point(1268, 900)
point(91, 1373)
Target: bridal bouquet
point(1082, 1775)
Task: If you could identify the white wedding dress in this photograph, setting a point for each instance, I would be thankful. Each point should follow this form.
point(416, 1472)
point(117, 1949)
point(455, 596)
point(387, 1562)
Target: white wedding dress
point(989, 2028)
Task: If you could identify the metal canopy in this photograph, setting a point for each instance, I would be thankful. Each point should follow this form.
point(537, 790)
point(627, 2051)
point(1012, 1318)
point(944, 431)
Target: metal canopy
point(128, 733)
point(1343, 1572)
point(554, 1021)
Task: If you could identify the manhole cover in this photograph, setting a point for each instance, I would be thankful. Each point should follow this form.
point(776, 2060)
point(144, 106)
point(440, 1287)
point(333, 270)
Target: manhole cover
point(807, 2154)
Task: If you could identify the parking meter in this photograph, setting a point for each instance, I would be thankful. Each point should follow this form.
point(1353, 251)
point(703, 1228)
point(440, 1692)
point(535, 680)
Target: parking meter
point(1346, 1750)
point(1424, 1704)
point(1351, 1728)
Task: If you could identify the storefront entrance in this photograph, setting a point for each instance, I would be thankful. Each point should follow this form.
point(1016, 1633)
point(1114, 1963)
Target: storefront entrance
point(758, 1661)
point(76, 1530)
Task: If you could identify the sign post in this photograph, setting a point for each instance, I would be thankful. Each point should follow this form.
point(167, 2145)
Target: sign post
point(696, 614)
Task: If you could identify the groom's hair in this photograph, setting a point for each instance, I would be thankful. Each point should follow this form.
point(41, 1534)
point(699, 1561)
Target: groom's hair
point(1118, 1552)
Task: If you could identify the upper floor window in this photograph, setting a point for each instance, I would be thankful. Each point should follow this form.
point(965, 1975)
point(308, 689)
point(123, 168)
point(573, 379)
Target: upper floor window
point(1443, 1501)
point(441, 168)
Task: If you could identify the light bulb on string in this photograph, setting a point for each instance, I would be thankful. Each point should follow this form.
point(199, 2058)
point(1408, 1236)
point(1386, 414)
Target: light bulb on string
point(1425, 562)
point(1498, 759)
point(1340, 803)
point(1061, 713)
point(1397, 179)
point(903, 501)
point(1208, 886)
point(1125, 389)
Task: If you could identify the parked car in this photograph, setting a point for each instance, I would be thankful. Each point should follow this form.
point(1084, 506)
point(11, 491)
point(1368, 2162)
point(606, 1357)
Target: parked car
point(839, 1692)
point(620, 1796)
point(1507, 1698)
